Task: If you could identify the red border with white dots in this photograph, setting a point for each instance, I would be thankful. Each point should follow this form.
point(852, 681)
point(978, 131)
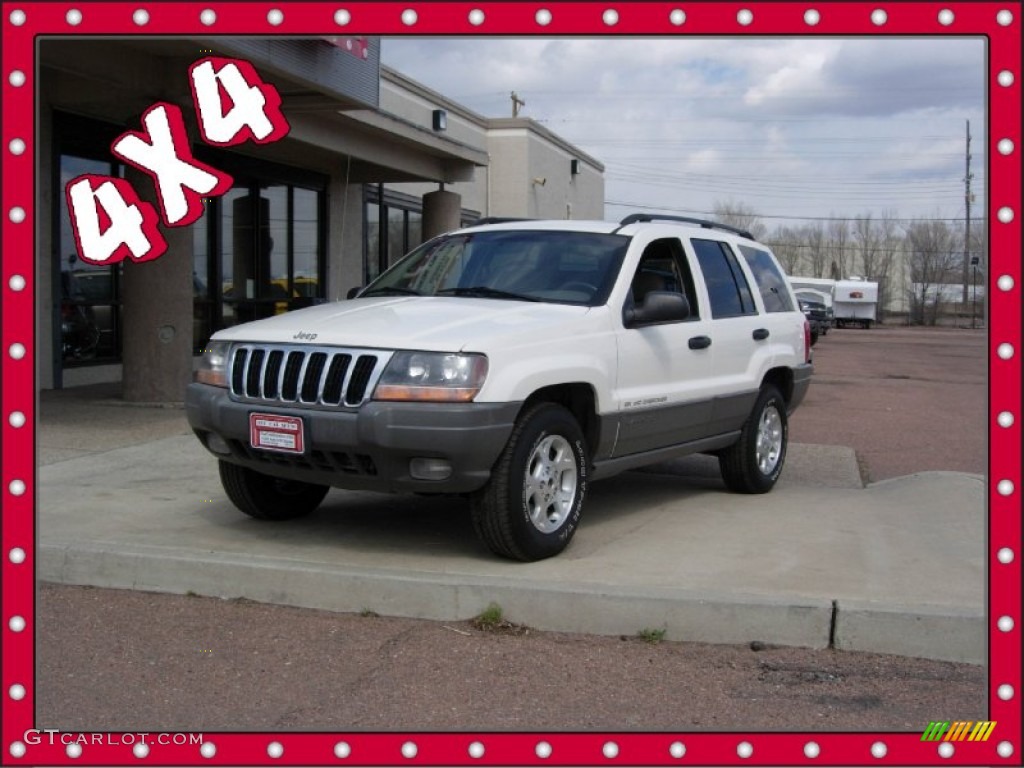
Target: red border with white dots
point(999, 22)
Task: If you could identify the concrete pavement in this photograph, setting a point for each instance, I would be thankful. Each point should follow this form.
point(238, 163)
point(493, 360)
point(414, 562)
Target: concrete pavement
point(128, 498)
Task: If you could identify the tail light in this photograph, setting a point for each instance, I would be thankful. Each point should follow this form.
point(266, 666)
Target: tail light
point(807, 342)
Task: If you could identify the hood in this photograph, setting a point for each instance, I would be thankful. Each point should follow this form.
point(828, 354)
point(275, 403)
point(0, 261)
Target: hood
point(431, 323)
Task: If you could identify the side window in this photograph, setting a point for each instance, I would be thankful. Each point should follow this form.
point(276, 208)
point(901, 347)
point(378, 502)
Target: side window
point(663, 267)
point(727, 285)
point(774, 292)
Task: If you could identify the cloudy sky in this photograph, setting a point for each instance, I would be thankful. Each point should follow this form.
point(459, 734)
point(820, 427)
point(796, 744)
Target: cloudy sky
point(795, 128)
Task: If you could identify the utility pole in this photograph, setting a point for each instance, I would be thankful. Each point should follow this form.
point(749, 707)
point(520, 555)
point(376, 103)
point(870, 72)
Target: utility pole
point(516, 104)
point(967, 215)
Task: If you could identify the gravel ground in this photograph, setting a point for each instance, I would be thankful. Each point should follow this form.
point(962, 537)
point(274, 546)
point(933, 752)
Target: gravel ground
point(122, 660)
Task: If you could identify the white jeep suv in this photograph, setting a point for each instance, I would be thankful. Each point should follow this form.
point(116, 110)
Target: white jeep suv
point(515, 363)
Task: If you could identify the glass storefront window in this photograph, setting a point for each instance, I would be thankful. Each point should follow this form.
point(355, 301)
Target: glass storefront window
point(306, 242)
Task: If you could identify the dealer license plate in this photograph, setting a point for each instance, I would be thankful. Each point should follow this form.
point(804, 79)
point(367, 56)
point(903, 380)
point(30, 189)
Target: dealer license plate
point(271, 432)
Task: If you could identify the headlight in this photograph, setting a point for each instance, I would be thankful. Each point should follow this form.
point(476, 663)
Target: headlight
point(432, 376)
point(213, 366)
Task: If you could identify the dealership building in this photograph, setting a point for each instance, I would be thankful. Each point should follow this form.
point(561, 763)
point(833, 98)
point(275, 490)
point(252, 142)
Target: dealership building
point(374, 163)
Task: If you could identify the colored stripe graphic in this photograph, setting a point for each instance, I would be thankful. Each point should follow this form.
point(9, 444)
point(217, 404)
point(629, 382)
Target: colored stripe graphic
point(934, 731)
point(959, 730)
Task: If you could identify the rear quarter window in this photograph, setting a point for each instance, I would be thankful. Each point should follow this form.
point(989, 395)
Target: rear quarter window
point(727, 285)
point(770, 280)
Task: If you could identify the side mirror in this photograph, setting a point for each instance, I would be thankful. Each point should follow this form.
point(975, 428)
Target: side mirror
point(658, 307)
point(353, 292)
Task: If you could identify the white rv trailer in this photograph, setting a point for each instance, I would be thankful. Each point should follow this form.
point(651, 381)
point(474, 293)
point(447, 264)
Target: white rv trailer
point(855, 302)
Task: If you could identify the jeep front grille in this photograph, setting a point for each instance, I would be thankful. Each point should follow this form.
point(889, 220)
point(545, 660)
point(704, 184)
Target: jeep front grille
point(328, 376)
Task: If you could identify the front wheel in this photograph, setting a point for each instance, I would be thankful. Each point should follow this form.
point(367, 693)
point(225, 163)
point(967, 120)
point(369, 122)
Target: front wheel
point(530, 508)
point(269, 498)
point(754, 462)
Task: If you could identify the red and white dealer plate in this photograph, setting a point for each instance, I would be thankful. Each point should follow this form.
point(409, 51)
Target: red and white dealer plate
point(272, 432)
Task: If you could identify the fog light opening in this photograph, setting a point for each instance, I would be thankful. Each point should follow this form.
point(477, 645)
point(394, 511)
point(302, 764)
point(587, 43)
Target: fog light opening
point(430, 469)
point(217, 444)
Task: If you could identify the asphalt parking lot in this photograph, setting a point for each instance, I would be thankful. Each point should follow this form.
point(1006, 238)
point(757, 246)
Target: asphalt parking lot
point(132, 659)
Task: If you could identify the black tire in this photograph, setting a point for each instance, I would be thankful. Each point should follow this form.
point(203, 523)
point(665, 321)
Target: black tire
point(754, 462)
point(531, 506)
point(269, 498)
point(814, 336)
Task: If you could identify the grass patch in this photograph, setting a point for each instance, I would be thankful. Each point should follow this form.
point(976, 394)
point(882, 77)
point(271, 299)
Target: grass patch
point(492, 619)
point(652, 636)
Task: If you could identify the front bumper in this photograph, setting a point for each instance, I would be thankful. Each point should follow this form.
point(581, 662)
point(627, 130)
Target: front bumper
point(369, 448)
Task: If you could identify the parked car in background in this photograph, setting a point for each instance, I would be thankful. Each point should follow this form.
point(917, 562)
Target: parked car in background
point(817, 314)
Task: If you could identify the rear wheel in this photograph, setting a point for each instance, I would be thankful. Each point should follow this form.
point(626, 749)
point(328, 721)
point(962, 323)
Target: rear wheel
point(531, 506)
point(754, 462)
point(269, 498)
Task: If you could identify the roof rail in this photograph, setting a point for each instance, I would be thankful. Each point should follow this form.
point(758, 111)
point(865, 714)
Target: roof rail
point(633, 218)
point(496, 220)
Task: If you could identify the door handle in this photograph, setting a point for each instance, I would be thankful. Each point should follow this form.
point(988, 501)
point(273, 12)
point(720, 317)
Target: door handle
point(700, 342)
point(760, 334)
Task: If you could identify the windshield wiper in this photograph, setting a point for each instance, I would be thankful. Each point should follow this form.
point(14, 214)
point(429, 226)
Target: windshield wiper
point(384, 290)
point(485, 292)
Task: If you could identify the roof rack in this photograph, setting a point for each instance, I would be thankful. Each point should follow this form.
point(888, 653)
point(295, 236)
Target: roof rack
point(633, 218)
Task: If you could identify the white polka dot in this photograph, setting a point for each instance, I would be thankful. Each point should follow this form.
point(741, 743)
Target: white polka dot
point(17, 147)
point(208, 17)
point(141, 750)
point(1005, 351)
point(811, 17)
point(745, 17)
point(543, 750)
point(16, 419)
point(1005, 692)
point(879, 17)
point(610, 17)
point(1004, 18)
point(1005, 146)
point(73, 750)
point(1005, 624)
point(342, 750)
point(17, 214)
point(141, 17)
point(17, 17)
point(409, 750)
point(1005, 555)
point(17, 487)
point(409, 17)
point(17, 623)
point(16, 283)
point(18, 749)
point(1005, 283)
point(208, 750)
point(16, 78)
point(73, 17)
point(946, 749)
point(16, 691)
point(745, 749)
point(476, 750)
point(17, 351)
point(16, 556)
point(1005, 487)
point(476, 18)
point(275, 16)
point(610, 750)
point(275, 749)
point(946, 17)
point(1005, 749)
point(811, 749)
point(677, 750)
point(879, 750)
point(1005, 78)
point(543, 17)
point(1005, 214)
point(342, 17)
point(677, 18)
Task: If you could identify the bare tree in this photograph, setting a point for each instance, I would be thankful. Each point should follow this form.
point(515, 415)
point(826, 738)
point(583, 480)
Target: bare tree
point(931, 247)
point(839, 247)
point(741, 215)
point(814, 234)
point(785, 242)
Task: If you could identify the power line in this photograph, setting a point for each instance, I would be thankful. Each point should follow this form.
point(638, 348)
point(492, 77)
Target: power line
point(666, 209)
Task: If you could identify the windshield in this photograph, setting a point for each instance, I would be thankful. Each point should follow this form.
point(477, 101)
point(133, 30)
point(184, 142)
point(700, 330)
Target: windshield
point(522, 265)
